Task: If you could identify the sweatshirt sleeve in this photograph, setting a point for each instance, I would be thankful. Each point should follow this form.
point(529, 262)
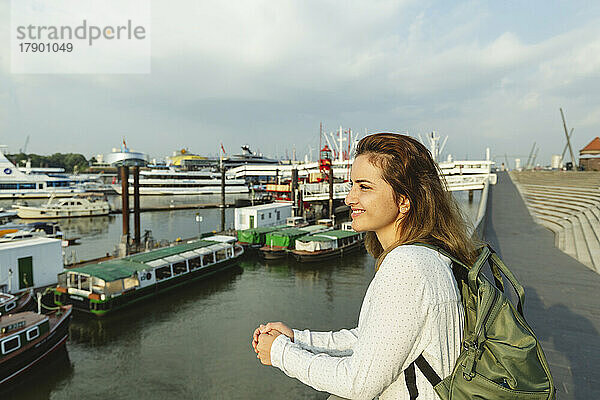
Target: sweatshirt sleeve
point(333, 343)
point(387, 336)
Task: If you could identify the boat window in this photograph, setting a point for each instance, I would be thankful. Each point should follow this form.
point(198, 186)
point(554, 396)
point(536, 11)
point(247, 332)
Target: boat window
point(130, 282)
point(163, 272)
point(33, 333)
point(194, 263)
point(84, 282)
point(221, 254)
point(62, 280)
point(11, 344)
point(208, 259)
point(269, 215)
point(73, 279)
point(114, 287)
point(10, 306)
point(98, 285)
point(262, 216)
point(179, 268)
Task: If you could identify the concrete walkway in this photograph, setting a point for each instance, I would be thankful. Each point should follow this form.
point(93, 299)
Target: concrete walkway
point(562, 295)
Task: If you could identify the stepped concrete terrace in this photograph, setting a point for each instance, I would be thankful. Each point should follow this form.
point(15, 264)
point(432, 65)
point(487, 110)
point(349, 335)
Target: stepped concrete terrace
point(567, 203)
point(562, 295)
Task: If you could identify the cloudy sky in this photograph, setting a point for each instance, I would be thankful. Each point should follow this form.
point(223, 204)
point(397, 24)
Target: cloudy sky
point(484, 73)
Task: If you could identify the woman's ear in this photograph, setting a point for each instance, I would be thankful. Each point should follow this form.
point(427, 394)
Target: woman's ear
point(404, 206)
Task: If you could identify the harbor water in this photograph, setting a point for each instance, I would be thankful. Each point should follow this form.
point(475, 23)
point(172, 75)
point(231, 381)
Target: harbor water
point(194, 342)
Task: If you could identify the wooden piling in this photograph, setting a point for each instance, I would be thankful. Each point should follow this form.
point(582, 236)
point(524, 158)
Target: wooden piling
point(136, 206)
point(125, 200)
point(222, 205)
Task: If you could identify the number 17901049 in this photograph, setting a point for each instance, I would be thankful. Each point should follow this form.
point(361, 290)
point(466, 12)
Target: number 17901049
point(27, 47)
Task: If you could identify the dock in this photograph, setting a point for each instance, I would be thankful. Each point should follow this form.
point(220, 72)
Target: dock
point(562, 302)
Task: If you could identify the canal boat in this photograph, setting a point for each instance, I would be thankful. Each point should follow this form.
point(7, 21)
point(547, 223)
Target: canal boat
point(254, 238)
point(64, 208)
point(10, 303)
point(27, 338)
point(278, 243)
point(108, 286)
point(326, 245)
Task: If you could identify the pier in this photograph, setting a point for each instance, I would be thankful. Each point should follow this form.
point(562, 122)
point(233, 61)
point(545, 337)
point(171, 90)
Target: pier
point(562, 302)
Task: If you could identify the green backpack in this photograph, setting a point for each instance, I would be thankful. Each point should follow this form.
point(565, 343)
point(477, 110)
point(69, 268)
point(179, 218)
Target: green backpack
point(501, 357)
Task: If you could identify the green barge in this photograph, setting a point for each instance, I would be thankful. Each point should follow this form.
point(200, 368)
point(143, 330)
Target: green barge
point(100, 289)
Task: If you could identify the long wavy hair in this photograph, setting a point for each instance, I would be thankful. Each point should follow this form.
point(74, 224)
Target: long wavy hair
point(433, 216)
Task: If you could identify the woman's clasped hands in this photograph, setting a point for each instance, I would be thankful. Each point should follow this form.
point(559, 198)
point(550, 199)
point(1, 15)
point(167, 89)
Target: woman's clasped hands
point(263, 338)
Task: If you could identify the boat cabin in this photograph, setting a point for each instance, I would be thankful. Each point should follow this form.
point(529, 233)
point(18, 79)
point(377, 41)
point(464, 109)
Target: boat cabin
point(329, 240)
point(18, 330)
point(295, 221)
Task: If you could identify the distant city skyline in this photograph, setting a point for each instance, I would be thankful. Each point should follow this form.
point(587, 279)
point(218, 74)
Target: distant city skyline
point(485, 74)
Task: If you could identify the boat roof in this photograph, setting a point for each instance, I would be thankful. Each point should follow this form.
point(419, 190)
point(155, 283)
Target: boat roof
point(266, 229)
point(112, 270)
point(327, 236)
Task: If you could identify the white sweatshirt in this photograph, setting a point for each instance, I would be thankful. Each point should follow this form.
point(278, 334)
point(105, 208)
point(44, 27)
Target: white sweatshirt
point(412, 306)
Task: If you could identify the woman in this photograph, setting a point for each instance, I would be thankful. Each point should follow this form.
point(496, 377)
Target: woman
point(412, 306)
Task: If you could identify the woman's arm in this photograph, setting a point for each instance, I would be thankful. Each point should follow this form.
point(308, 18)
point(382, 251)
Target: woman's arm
point(388, 339)
point(333, 343)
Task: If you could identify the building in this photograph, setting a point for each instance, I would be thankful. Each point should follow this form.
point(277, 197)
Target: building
point(589, 156)
point(29, 264)
point(263, 215)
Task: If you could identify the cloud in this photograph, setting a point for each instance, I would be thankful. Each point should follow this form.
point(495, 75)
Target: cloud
point(267, 73)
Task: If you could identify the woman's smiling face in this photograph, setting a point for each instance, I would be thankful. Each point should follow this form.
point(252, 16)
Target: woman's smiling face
point(372, 201)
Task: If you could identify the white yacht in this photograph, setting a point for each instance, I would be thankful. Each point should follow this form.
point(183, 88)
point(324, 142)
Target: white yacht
point(15, 184)
point(172, 181)
point(64, 208)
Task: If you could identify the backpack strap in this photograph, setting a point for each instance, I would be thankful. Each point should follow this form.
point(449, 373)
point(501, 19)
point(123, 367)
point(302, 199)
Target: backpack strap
point(411, 378)
point(489, 255)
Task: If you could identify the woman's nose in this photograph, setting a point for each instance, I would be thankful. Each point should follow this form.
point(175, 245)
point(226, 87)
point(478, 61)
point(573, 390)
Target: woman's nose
point(350, 197)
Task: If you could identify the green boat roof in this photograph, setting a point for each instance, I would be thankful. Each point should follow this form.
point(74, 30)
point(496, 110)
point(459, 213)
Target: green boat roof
point(265, 229)
point(327, 236)
point(122, 268)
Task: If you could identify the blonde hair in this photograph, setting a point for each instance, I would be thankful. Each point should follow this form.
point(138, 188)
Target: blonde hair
point(434, 216)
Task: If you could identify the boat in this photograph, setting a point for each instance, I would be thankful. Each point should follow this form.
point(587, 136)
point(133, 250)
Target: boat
point(64, 208)
point(103, 288)
point(326, 245)
point(14, 183)
point(278, 243)
point(10, 303)
point(27, 338)
point(254, 238)
point(174, 181)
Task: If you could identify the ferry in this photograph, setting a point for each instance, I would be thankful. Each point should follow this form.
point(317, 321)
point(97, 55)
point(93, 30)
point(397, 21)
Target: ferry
point(14, 184)
point(326, 245)
point(27, 338)
point(173, 181)
point(64, 208)
point(103, 288)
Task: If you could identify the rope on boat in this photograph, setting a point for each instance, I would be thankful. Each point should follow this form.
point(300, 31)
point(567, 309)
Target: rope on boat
point(50, 308)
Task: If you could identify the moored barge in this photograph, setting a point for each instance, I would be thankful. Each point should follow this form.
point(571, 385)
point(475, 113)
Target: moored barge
point(326, 245)
point(102, 288)
point(278, 243)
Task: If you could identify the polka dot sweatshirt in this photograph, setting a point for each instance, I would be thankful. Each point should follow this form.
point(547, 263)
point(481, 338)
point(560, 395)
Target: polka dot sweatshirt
point(412, 307)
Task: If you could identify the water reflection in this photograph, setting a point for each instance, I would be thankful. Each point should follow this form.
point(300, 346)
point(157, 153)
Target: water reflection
point(41, 381)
